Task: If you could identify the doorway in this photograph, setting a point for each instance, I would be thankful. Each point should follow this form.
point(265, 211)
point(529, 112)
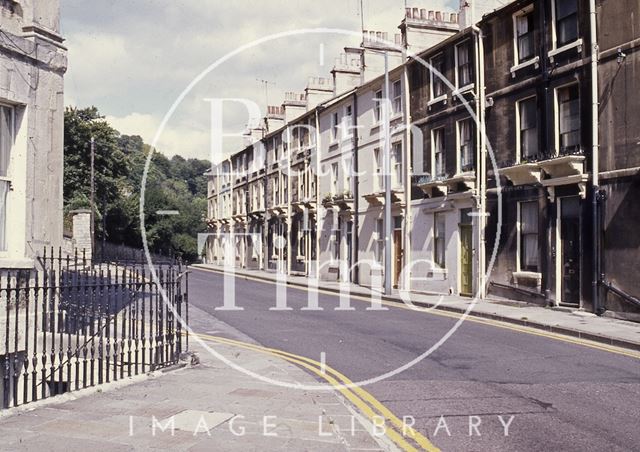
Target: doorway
point(466, 252)
point(397, 250)
point(569, 246)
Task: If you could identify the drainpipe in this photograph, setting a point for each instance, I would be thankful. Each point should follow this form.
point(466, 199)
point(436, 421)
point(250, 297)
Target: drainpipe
point(406, 273)
point(355, 243)
point(482, 166)
point(594, 158)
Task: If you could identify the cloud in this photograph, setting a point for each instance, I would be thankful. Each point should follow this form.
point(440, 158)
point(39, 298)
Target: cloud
point(174, 139)
point(132, 59)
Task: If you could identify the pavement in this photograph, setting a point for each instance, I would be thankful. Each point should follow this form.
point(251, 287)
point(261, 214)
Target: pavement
point(574, 323)
point(200, 405)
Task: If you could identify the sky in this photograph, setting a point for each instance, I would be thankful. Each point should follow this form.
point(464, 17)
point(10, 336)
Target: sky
point(133, 58)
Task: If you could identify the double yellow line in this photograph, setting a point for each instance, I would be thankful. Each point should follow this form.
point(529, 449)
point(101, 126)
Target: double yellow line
point(405, 437)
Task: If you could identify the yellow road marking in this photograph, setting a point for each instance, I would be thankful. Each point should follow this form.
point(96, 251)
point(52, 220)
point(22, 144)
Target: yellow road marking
point(355, 395)
point(470, 318)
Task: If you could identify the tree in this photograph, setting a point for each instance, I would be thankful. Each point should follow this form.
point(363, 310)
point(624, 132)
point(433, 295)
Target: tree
point(171, 184)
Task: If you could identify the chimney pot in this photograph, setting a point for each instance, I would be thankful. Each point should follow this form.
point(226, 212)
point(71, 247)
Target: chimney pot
point(408, 13)
point(431, 15)
point(416, 13)
point(423, 14)
point(454, 18)
point(438, 16)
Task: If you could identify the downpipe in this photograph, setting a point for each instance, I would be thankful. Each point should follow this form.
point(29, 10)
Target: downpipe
point(595, 193)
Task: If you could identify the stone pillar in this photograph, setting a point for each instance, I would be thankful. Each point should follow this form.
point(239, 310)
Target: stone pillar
point(82, 232)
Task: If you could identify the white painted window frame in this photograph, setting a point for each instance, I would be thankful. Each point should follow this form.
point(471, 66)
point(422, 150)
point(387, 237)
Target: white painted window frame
point(9, 178)
point(434, 172)
point(556, 113)
point(468, 86)
point(518, 128)
point(555, 50)
point(459, 143)
point(432, 79)
point(516, 54)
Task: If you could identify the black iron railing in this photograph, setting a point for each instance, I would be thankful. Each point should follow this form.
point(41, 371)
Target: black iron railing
point(70, 324)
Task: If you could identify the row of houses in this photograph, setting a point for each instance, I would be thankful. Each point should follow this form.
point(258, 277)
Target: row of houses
point(509, 139)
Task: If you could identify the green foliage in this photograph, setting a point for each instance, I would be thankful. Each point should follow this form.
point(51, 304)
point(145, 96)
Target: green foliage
point(171, 184)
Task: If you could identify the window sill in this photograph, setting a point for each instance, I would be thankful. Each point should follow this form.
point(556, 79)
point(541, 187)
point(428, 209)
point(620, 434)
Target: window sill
point(577, 43)
point(533, 62)
point(437, 100)
point(463, 90)
point(527, 275)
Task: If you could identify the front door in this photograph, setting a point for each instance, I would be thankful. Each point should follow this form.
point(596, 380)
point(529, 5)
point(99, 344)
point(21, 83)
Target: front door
point(570, 250)
point(397, 256)
point(349, 234)
point(466, 259)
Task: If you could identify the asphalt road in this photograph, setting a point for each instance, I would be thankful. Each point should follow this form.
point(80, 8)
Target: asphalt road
point(562, 396)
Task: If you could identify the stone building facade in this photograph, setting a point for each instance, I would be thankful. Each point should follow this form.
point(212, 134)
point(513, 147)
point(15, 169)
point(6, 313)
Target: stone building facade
point(514, 159)
point(32, 65)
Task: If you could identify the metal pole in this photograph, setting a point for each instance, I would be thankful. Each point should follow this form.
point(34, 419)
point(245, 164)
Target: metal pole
point(387, 179)
point(92, 194)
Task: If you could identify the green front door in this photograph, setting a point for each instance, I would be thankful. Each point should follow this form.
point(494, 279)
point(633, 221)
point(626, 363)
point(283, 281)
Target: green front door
point(466, 256)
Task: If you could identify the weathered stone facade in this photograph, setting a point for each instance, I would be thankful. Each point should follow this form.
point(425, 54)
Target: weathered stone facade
point(32, 65)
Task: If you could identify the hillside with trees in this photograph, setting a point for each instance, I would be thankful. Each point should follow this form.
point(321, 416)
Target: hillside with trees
point(173, 183)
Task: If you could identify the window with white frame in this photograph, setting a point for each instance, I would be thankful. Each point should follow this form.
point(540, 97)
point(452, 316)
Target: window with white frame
point(528, 128)
point(438, 86)
point(7, 130)
point(465, 145)
point(525, 44)
point(379, 245)
point(348, 168)
point(566, 21)
point(397, 97)
point(377, 107)
point(347, 121)
point(464, 69)
point(438, 153)
point(396, 162)
point(336, 242)
point(334, 178)
point(334, 126)
point(439, 231)
point(569, 119)
point(528, 240)
point(377, 169)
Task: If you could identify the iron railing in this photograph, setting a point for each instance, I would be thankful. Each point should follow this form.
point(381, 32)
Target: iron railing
point(70, 324)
